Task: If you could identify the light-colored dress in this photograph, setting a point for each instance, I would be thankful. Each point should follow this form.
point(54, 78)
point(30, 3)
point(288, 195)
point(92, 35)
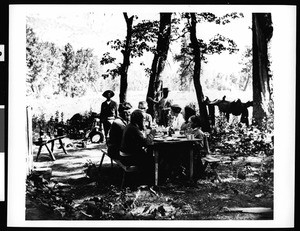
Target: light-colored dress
point(177, 121)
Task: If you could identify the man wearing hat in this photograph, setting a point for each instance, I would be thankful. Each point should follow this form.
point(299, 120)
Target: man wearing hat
point(108, 111)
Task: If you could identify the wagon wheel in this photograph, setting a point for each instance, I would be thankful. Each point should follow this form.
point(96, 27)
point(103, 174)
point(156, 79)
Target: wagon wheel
point(96, 137)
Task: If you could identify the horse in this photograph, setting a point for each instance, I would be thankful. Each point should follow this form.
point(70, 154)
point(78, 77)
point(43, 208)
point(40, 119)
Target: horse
point(229, 107)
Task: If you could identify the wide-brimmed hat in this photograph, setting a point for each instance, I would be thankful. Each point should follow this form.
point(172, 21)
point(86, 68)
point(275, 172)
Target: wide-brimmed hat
point(124, 106)
point(106, 93)
point(176, 108)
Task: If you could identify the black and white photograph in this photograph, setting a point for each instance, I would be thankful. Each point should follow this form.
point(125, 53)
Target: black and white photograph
point(151, 115)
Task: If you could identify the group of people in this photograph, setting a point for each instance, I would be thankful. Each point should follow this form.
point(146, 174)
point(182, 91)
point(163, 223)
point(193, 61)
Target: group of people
point(124, 130)
point(129, 132)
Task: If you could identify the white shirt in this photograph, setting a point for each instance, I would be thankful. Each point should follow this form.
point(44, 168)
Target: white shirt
point(177, 121)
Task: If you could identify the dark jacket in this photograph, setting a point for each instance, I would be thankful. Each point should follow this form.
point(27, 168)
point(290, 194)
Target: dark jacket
point(133, 140)
point(108, 111)
point(115, 137)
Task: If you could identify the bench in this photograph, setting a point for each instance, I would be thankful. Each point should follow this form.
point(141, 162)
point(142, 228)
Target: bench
point(42, 143)
point(126, 169)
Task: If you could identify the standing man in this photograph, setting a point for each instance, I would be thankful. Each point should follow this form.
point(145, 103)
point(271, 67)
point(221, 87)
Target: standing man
point(162, 107)
point(108, 112)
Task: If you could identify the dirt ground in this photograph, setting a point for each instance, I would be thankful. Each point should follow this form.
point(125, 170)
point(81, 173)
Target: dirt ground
point(245, 192)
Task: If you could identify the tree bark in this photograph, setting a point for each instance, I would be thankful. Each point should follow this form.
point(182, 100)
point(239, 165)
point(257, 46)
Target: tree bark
point(159, 60)
point(126, 59)
point(262, 33)
point(196, 74)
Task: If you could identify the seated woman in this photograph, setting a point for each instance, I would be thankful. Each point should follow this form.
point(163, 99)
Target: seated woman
point(134, 146)
point(176, 117)
point(195, 122)
point(188, 112)
point(202, 145)
point(116, 130)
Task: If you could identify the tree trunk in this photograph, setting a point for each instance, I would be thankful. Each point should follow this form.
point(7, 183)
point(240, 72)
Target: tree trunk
point(126, 59)
point(246, 84)
point(262, 33)
point(196, 74)
point(159, 60)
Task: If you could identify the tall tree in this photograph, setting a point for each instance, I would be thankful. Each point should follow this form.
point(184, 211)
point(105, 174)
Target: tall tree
point(85, 72)
point(43, 65)
point(126, 59)
point(194, 53)
point(140, 38)
point(159, 60)
point(197, 69)
point(34, 65)
point(262, 33)
point(65, 82)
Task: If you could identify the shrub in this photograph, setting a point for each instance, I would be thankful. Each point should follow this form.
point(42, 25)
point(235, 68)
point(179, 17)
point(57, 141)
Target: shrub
point(238, 139)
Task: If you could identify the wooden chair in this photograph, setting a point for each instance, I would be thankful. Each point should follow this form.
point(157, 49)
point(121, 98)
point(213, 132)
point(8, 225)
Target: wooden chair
point(127, 170)
point(209, 160)
point(213, 163)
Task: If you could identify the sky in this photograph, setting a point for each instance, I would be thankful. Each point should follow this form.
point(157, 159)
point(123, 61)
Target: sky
point(94, 27)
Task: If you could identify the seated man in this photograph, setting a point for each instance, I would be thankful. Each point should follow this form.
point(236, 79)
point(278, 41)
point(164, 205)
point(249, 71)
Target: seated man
point(134, 146)
point(148, 118)
point(116, 130)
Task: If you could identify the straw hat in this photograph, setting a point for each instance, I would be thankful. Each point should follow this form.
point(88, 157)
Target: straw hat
point(105, 94)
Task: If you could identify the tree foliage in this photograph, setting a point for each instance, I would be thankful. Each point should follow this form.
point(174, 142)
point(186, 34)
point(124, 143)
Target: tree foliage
point(43, 61)
point(216, 45)
point(53, 70)
point(143, 38)
point(247, 69)
point(195, 52)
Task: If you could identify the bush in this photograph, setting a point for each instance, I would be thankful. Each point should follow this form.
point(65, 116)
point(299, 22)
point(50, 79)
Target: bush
point(238, 139)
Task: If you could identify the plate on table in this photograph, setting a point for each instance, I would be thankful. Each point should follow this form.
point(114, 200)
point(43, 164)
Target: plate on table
point(159, 139)
point(179, 136)
point(171, 138)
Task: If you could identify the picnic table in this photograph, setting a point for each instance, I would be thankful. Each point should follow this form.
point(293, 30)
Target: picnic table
point(166, 142)
point(44, 142)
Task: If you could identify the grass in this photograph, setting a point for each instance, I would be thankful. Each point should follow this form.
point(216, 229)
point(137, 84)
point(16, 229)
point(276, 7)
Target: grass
point(71, 106)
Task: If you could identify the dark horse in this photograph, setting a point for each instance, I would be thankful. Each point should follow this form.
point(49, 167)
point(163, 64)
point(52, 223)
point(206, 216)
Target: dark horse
point(229, 107)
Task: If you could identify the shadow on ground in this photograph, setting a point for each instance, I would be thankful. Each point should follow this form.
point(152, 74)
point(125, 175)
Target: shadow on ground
point(71, 195)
